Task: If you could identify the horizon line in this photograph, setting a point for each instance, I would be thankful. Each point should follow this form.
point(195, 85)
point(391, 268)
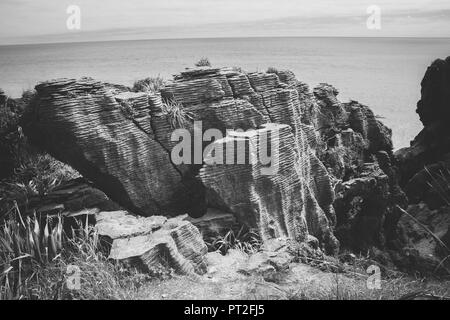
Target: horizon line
point(219, 37)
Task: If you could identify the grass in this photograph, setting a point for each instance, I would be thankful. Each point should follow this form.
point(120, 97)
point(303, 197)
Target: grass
point(36, 175)
point(247, 241)
point(203, 62)
point(177, 116)
point(150, 84)
point(272, 70)
point(36, 257)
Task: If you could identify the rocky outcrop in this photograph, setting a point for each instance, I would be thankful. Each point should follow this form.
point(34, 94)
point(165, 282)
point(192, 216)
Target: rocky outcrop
point(293, 151)
point(356, 149)
point(424, 165)
point(154, 244)
point(80, 122)
point(425, 176)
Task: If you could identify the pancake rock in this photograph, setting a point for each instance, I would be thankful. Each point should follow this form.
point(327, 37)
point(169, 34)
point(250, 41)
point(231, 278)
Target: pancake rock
point(153, 243)
point(356, 149)
point(128, 144)
point(109, 141)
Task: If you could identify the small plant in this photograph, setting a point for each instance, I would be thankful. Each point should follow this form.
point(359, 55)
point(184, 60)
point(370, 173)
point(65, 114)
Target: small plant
point(272, 70)
point(150, 84)
point(203, 62)
point(439, 182)
point(35, 255)
point(247, 241)
point(177, 116)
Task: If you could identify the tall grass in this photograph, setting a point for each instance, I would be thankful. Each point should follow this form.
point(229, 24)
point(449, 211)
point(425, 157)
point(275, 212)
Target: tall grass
point(35, 255)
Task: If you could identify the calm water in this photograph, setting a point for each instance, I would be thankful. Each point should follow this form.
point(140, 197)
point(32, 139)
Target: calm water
point(382, 73)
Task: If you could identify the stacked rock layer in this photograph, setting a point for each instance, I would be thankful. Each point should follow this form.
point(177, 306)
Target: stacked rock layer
point(125, 143)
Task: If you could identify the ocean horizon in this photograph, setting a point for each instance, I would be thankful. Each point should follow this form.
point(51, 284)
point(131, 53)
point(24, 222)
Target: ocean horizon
point(383, 73)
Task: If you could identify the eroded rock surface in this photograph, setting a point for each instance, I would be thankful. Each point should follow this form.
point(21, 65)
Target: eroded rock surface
point(80, 122)
point(122, 141)
point(153, 242)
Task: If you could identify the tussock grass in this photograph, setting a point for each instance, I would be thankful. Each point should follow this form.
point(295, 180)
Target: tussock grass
point(177, 116)
point(203, 62)
point(247, 241)
point(36, 256)
point(272, 70)
point(150, 84)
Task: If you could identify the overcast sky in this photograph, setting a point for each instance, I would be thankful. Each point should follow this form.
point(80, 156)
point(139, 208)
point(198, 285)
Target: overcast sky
point(25, 21)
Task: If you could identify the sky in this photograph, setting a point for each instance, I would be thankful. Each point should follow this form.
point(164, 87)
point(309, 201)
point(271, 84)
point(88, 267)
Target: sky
point(34, 21)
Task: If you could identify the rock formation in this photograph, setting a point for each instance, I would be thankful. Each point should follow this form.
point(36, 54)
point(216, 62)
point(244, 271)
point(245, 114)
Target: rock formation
point(423, 165)
point(330, 162)
point(425, 177)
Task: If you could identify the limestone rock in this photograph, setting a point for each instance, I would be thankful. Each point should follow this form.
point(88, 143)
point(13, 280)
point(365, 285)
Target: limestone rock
point(214, 222)
point(122, 141)
point(71, 199)
point(264, 199)
point(153, 242)
point(80, 122)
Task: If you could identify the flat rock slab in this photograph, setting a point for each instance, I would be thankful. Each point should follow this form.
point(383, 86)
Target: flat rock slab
point(153, 242)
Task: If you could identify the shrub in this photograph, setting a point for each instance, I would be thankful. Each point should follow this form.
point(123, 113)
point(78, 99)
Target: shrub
point(203, 62)
point(272, 70)
point(150, 84)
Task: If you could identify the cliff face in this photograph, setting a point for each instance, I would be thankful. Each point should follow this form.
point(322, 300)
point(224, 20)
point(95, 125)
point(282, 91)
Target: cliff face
point(329, 162)
point(431, 147)
point(425, 176)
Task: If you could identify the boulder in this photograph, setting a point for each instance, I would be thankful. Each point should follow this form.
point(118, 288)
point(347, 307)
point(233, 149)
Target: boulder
point(152, 243)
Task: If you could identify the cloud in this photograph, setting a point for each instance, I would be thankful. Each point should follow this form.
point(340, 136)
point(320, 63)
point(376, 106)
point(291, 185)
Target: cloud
point(31, 20)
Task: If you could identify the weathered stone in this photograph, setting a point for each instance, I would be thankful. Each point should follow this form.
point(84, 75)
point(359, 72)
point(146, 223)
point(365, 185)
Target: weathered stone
point(73, 198)
point(81, 123)
point(122, 141)
point(153, 242)
point(264, 199)
point(214, 222)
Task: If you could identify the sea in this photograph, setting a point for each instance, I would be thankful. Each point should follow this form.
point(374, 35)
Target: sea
point(383, 73)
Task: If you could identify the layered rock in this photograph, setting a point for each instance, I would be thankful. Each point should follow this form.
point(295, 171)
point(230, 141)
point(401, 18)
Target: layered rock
point(153, 243)
point(80, 122)
point(126, 142)
point(357, 150)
